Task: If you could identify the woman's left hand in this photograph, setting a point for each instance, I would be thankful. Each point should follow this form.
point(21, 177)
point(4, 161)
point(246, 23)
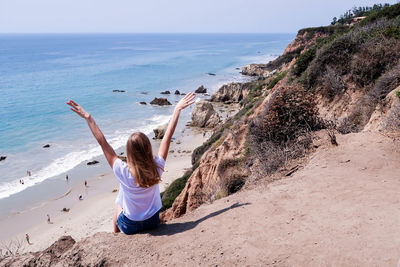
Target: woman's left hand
point(78, 110)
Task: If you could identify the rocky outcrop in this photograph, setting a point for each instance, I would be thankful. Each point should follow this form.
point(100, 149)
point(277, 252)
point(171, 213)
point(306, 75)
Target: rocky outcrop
point(165, 93)
point(93, 162)
point(66, 252)
point(160, 101)
point(3, 158)
point(142, 103)
point(119, 91)
point(204, 115)
point(201, 90)
point(46, 146)
point(231, 93)
point(160, 131)
point(177, 92)
point(255, 70)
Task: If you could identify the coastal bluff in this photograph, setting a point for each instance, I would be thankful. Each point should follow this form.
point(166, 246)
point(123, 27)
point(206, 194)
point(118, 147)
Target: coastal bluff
point(304, 174)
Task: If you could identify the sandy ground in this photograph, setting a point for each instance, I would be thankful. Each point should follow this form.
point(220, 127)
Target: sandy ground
point(341, 209)
point(94, 214)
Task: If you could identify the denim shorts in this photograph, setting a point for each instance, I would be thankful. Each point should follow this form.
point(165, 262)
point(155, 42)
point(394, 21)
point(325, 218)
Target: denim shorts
point(132, 227)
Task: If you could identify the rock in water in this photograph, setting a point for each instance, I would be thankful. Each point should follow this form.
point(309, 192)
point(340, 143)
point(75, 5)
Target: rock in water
point(177, 92)
point(166, 93)
point(201, 90)
point(211, 74)
point(123, 158)
point(119, 91)
point(143, 103)
point(2, 158)
point(160, 101)
point(46, 146)
point(204, 115)
point(160, 131)
point(92, 162)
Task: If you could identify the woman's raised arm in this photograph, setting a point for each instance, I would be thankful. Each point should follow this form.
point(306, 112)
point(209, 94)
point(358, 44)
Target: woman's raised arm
point(185, 102)
point(108, 151)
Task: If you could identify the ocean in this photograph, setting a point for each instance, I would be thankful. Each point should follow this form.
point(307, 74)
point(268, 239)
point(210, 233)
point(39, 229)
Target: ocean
point(39, 73)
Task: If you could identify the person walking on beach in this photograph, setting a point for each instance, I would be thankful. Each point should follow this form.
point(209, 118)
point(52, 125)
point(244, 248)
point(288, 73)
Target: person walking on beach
point(85, 183)
point(138, 201)
point(66, 178)
point(48, 219)
point(27, 239)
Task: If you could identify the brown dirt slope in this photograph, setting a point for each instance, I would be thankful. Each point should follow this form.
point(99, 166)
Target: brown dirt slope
point(341, 209)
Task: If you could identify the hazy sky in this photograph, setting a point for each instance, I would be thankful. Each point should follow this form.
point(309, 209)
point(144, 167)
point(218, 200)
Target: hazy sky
point(61, 16)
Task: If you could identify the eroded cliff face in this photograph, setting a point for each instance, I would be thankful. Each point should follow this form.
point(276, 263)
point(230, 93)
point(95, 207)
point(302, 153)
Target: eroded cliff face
point(385, 116)
point(304, 41)
point(217, 174)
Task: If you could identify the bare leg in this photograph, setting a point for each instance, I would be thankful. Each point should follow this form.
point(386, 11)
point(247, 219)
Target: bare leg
point(117, 212)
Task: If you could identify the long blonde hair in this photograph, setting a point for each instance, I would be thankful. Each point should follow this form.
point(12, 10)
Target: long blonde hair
point(141, 161)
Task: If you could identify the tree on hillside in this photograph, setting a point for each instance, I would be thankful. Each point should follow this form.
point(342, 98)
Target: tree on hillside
point(357, 12)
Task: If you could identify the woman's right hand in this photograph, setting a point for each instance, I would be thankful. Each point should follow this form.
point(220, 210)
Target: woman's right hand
point(186, 101)
point(78, 109)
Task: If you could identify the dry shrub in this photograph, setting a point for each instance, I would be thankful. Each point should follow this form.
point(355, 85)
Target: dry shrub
point(283, 131)
point(290, 113)
point(386, 83)
point(333, 83)
point(358, 117)
point(336, 54)
point(375, 57)
point(363, 110)
point(12, 248)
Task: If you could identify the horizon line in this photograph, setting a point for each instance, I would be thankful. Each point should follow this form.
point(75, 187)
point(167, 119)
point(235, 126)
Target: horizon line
point(16, 33)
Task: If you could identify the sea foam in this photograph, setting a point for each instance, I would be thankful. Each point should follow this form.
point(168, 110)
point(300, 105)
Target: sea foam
point(72, 159)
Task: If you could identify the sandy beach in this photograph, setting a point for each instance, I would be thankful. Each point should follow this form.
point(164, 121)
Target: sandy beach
point(95, 212)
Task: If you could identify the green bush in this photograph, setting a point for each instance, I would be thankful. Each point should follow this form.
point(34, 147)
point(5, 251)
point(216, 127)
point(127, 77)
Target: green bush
point(304, 60)
point(398, 93)
point(276, 79)
point(392, 32)
point(199, 151)
point(173, 190)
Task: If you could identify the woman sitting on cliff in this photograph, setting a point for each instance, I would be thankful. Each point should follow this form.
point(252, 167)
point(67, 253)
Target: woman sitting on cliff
point(138, 201)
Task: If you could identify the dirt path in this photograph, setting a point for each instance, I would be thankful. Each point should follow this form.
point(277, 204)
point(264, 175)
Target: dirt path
point(342, 209)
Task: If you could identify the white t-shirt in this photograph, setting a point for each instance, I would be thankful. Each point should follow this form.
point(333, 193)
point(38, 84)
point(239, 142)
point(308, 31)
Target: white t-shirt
point(137, 203)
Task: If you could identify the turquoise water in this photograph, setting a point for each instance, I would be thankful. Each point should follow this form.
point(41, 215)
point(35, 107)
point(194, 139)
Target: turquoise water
point(39, 73)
